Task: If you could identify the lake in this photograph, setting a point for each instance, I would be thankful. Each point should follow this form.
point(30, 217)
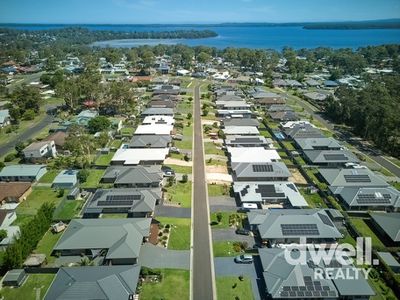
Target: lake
point(249, 36)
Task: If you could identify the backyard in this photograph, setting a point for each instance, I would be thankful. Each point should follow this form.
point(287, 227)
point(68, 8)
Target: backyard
point(29, 289)
point(39, 196)
point(225, 248)
point(46, 245)
point(68, 209)
point(365, 231)
point(93, 178)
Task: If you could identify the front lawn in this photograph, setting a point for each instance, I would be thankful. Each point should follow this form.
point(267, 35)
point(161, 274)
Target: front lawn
point(174, 285)
point(180, 169)
point(35, 200)
point(215, 190)
point(227, 219)
point(180, 193)
point(70, 208)
point(29, 289)
point(46, 245)
point(187, 140)
point(179, 238)
point(211, 148)
point(93, 178)
point(49, 176)
point(224, 248)
point(233, 288)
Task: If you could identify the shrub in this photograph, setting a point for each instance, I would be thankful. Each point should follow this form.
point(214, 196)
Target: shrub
point(83, 175)
point(164, 238)
point(186, 157)
point(60, 193)
point(166, 230)
point(185, 178)
point(160, 234)
point(9, 157)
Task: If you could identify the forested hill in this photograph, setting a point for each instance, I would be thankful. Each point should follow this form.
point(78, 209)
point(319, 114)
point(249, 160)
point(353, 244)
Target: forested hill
point(379, 24)
point(79, 35)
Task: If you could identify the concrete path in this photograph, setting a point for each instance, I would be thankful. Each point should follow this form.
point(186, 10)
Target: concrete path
point(202, 264)
point(157, 257)
point(173, 212)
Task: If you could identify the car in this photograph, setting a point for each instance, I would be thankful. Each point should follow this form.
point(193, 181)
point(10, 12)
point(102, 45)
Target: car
point(244, 259)
point(242, 231)
point(174, 150)
point(245, 207)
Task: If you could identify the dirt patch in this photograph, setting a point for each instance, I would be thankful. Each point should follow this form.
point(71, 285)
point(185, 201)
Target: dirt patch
point(218, 178)
point(297, 177)
point(178, 162)
point(208, 122)
point(217, 169)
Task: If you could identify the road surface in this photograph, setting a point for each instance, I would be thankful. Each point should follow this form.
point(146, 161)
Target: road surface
point(202, 279)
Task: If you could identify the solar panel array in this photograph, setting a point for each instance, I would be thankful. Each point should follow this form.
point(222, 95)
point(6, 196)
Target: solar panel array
point(325, 219)
point(268, 190)
point(129, 197)
point(247, 140)
point(357, 178)
point(335, 157)
point(262, 168)
point(310, 289)
point(372, 198)
point(299, 229)
point(115, 203)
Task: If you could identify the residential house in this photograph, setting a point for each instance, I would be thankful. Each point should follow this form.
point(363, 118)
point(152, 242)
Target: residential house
point(312, 83)
point(285, 280)
point(133, 177)
point(284, 194)
point(66, 179)
point(303, 131)
point(388, 226)
point(117, 241)
point(39, 151)
point(15, 277)
point(286, 226)
point(229, 113)
point(14, 192)
point(329, 158)
point(248, 141)
point(261, 171)
point(166, 90)
point(162, 104)
point(240, 122)
point(157, 111)
point(256, 155)
point(279, 107)
point(7, 217)
point(26, 173)
point(241, 130)
point(155, 129)
point(390, 261)
point(316, 96)
point(150, 141)
point(5, 118)
point(229, 97)
point(85, 116)
point(162, 120)
point(325, 143)
point(283, 116)
point(136, 203)
point(59, 139)
point(330, 84)
point(94, 282)
point(232, 105)
point(139, 156)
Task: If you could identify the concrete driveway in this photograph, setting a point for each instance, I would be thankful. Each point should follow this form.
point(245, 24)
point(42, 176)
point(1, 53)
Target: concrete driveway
point(170, 211)
point(157, 257)
point(222, 203)
point(230, 235)
point(225, 266)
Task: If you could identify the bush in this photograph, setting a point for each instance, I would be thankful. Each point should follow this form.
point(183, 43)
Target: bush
point(60, 193)
point(10, 157)
point(185, 178)
point(29, 114)
point(3, 234)
point(83, 175)
point(205, 112)
point(166, 230)
point(164, 237)
point(189, 116)
point(186, 157)
point(160, 234)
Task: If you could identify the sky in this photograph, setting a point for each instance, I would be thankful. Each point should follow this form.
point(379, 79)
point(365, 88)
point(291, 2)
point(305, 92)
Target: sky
point(193, 11)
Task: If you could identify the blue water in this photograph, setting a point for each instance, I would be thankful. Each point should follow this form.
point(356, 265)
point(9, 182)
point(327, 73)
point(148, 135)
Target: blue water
point(250, 36)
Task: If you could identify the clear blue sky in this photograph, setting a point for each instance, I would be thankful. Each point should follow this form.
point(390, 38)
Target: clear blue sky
point(189, 11)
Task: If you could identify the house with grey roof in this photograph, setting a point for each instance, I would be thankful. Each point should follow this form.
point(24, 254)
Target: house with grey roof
point(303, 131)
point(136, 203)
point(4, 118)
point(229, 97)
point(232, 105)
point(133, 176)
point(39, 151)
point(387, 225)
point(312, 83)
point(339, 178)
point(284, 194)
point(27, 173)
point(230, 113)
point(390, 261)
point(316, 96)
point(284, 280)
point(157, 111)
point(325, 143)
point(248, 141)
point(150, 141)
point(279, 107)
point(283, 116)
point(263, 171)
point(94, 282)
point(329, 158)
point(367, 198)
point(241, 130)
point(240, 122)
point(116, 241)
point(285, 226)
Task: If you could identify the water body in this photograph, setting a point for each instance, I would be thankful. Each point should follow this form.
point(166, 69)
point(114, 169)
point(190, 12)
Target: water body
point(250, 36)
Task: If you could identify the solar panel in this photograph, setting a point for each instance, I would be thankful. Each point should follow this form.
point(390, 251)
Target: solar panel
point(284, 294)
point(325, 219)
point(335, 157)
point(324, 294)
point(374, 198)
point(326, 288)
point(332, 294)
point(299, 229)
point(115, 203)
point(300, 294)
point(286, 288)
point(268, 190)
point(292, 294)
point(357, 178)
point(123, 197)
point(308, 293)
point(316, 294)
point(262, 168)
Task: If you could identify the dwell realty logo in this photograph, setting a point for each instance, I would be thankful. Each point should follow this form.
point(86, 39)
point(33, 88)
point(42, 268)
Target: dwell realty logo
point(339, 261)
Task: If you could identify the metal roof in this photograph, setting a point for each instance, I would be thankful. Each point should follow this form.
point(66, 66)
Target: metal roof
point(389, 223)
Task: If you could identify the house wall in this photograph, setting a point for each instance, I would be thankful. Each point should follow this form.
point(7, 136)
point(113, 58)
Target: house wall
point(124, 261)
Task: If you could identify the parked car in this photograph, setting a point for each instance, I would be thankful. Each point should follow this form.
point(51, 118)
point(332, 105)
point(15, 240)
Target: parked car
point(168, 172)
point(242, 231)
point(174, 150)
point(244, 259)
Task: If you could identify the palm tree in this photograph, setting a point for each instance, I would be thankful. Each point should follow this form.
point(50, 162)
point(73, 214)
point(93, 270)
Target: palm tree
point(86, 262)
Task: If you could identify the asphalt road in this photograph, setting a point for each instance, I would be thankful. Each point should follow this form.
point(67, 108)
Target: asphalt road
point(387, 164)
point(203, 285)
point(26, 135)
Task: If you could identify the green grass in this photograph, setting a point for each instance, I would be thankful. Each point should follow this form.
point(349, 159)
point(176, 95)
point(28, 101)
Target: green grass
point(225, 218)
point(218, 190)
point(38, 196)
point(174, 285)
point(46, 245)
point(300, 160)
point(215, 162)
point(70, 208)
point(181, 169)
point(104, 159)
point(231, 288)
point(49, 176)
point(22, 219)
point(93, 178)
point(177, 155)
point(313, 200)
point(187, 141)
point(179, 238)
point(265, 133)
point(288, 145)
point(185, 107)
point(180, 193)
point(211, 148)
point(116, 143)
point(114, 216)
point(224, 248)
point(28, 289)
point(127, 131)
point(347, 239)
point(365, 231)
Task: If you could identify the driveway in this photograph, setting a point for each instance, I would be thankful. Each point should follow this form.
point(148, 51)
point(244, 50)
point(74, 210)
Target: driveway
point(222, 203)
point(229, 234)
point(157, 257)
point(225, 266)
point(171, 211)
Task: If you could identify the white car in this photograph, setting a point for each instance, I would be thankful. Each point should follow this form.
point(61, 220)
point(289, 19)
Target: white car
point(248, 206)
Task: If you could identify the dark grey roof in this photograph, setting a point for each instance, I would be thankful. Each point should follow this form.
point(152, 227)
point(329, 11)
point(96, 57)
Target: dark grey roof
point(240, 122)
point(278, 107)
point(150, 141)
point(261, 170)
point(389, 223)
point(134, 175)
point(237, 140)
point(318, 143)
point(330, 156)
point(304, 131)
point(284, 115)
point(133, 200)
point(389, 259)
point(122, 237)
point(94, 282)
point(229, 98)
point(161, 111)
point(295, 223)
point(370, 197)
